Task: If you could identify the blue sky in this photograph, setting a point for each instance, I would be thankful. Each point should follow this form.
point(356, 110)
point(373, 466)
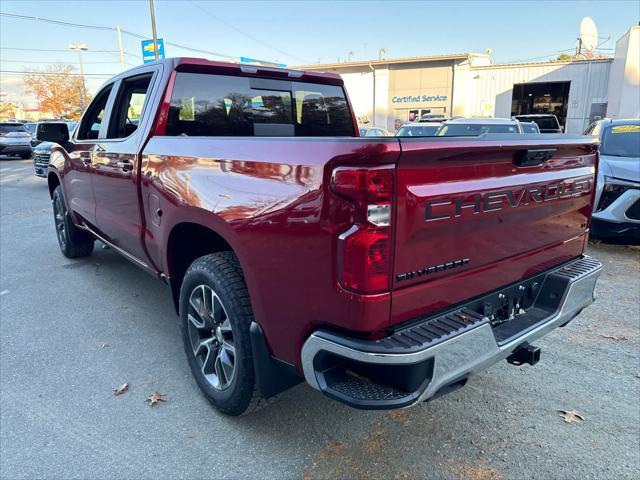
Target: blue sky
point(296, 32)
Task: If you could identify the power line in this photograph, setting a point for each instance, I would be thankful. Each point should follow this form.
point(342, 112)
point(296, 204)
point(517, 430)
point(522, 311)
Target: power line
point(57, 22)
point(103, 28)
point(248, 35)
point(62, 50)
point(16, 72)
point(52, 61)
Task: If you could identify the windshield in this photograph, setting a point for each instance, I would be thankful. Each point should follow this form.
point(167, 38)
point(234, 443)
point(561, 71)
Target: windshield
point(529, 128)
point(470, 129)
point(11, 128)
point(621, 141)
point(545, 123)
point(418, 131)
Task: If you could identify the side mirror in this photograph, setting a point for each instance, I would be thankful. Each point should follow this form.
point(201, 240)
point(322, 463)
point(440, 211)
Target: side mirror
point(53, 132)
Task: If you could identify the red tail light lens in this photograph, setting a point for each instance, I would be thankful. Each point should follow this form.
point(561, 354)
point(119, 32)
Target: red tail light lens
point(365, 250)
point(366, 255)
point(364, 184)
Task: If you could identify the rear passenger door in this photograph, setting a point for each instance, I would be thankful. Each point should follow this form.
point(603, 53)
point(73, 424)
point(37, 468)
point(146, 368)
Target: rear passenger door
point(116, 165)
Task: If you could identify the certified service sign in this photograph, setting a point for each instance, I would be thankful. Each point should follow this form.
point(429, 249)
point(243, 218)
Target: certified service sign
point(419, 99)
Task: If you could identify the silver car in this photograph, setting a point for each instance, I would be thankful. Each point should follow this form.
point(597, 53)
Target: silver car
point(15, 140)
point(461, 127)
point(616, 215)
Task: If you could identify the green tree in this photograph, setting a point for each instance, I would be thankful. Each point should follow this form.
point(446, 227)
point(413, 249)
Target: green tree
point(565, 57)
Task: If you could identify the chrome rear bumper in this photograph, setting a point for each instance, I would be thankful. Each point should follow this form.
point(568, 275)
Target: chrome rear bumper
point(429, 360)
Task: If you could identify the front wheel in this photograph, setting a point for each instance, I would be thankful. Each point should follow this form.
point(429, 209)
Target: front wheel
point(73, 242)
point(215, 315)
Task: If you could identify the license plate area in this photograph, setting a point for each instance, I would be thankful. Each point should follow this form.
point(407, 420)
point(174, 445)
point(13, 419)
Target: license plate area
point(517, 308)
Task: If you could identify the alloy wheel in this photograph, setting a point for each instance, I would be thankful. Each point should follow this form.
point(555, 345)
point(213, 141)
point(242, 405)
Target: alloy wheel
point(211, 337)
point(58, 213)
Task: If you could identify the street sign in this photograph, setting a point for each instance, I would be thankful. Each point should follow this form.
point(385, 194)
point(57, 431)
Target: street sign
point(147, 50)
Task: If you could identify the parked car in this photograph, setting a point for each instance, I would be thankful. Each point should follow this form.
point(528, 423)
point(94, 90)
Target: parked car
point(14, 139)
point(547, 123)
point(457, 127)
point(58, 132)
point(383, 271)
point(374, 132)
point(423, 129)
point(433, 117)
point(617, 206)
point(529, 127)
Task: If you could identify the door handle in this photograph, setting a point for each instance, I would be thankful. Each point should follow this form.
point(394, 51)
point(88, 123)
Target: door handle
point(85, 158)
point(533, 156)
point(125, 166)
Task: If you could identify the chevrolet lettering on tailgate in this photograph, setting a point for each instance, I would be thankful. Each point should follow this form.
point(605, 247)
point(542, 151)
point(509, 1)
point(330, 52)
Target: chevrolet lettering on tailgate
point(441, 209)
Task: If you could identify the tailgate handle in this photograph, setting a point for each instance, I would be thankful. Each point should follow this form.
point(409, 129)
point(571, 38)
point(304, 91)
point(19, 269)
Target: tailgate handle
point(533, 156)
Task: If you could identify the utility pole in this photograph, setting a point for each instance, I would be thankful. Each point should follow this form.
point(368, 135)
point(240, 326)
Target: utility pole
point(153, 29)
point(122, 66)
point(81, 100)
point(79, 48)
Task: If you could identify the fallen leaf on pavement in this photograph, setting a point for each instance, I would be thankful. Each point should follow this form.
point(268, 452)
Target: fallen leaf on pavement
point(571, 416)
point(122, 389)
point(103, 345)
point(637, 375)
point(613, 337)
point(155, 398)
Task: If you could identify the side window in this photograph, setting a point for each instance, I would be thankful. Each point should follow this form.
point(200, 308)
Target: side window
point(92, 120)
point(219, 105)
point(128, 106)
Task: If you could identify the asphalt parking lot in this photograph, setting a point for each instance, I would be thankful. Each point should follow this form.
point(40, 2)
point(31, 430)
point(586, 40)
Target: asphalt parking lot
point(73, 331)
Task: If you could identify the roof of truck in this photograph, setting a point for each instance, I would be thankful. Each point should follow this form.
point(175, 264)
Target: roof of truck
point(202, 64)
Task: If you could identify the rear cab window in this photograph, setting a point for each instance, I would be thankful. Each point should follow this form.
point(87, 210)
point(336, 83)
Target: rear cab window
point(220, 105)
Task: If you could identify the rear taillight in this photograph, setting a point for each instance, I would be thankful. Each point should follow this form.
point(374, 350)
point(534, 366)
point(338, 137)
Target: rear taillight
point(365, 249)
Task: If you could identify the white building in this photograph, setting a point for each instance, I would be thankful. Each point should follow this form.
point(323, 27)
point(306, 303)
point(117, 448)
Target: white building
point(385, 93)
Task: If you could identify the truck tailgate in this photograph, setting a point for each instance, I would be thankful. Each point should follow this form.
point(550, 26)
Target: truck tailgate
point(475, 215)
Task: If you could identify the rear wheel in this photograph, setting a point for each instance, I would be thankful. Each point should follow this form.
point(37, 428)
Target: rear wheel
point(24, 156)
point(73, 242)
point(215, 315)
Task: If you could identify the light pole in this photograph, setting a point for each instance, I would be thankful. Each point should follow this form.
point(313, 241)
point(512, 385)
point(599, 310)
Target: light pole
point(153, 29)
point(79, 48)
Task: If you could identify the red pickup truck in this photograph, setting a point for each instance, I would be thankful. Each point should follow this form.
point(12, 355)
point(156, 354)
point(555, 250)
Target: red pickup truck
point(383, 271)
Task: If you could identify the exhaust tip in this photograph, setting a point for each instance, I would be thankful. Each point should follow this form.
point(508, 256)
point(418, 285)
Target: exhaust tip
point(525, 353)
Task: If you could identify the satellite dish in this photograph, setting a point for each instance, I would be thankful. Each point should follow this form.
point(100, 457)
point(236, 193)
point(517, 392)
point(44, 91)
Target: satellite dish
point(588, 34)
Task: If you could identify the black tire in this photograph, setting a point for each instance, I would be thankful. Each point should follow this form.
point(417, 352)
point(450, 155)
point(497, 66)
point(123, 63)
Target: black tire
point(221, 273)
point(24, 156)
point(73, 242)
